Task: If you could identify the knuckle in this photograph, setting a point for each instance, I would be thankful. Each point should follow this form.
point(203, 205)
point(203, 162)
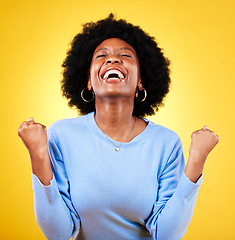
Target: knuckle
point(193, 134)
point(19, 131)
point(38, 125)
point(22, 124)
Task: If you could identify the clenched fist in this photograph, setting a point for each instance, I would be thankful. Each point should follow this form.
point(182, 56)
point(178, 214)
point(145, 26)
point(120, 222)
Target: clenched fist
point(34, 137)
point(202, 142)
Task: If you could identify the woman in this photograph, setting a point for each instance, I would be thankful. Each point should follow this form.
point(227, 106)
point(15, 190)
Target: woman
point(112, 174)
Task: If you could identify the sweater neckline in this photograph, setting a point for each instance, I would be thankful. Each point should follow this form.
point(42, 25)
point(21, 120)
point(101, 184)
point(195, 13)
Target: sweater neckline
point(140, 138)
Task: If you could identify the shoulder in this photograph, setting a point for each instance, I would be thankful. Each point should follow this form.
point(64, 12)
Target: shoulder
point(164, 134)
point(162, 130)
point(64, 126)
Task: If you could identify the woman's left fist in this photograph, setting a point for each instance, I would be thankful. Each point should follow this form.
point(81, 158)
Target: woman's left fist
point(202, 142)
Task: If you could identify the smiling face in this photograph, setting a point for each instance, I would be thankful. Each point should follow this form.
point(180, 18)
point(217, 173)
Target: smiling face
point(114, 69)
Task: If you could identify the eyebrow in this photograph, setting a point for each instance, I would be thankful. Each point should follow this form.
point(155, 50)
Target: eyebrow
point(126, 49)
point(119, 49)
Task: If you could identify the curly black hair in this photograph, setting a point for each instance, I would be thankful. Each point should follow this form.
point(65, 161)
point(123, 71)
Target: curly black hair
point(154, 66)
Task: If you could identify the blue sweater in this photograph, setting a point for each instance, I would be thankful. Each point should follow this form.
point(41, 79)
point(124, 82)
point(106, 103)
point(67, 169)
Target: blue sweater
point(139, 192)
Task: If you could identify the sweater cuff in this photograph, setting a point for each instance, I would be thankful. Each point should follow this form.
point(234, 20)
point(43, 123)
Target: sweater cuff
point(50, 191)
point(187, 188)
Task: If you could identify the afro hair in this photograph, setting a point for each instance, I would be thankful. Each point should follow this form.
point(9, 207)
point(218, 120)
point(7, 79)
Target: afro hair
point(154, 66)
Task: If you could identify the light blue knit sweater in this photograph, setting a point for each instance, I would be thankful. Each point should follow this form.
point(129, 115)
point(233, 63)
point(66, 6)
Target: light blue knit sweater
point(97, 193)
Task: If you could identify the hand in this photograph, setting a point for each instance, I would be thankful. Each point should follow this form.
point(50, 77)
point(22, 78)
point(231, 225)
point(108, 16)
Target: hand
point(202, 142)
point(34, 137)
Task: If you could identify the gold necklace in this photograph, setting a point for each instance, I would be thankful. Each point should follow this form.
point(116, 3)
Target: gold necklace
point(117, 147)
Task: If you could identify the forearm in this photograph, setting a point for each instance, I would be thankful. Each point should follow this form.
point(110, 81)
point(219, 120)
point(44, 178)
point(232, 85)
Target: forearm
point(41, 167)
point(170, 220)
point(52, 214)
point(194, 167)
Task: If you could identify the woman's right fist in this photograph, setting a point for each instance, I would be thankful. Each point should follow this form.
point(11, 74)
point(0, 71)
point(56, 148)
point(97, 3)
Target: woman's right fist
point(34, 137)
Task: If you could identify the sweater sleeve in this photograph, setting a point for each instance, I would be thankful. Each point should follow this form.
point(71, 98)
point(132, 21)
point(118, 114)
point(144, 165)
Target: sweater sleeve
point(173, 209)
point(54, 211)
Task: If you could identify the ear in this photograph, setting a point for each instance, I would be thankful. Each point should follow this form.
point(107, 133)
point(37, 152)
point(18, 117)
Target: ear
point(140, 85)
point(89, 85)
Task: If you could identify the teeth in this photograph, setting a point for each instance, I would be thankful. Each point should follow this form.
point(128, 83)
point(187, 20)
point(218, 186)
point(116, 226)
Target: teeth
point(106, 75)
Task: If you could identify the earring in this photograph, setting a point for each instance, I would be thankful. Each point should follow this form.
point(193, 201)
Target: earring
point(137, 95)
point(82, 92)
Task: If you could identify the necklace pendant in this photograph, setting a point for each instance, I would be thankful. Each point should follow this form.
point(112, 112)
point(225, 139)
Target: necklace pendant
point(117, 149)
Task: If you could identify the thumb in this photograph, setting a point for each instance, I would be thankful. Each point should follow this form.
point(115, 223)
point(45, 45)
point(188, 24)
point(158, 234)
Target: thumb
point(30, 119)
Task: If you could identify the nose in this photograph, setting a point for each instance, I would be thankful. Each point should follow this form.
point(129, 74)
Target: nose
point(113, 60)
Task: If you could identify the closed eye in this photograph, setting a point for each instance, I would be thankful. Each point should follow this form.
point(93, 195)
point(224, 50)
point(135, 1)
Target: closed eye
point(101, 55)
point(125, 55)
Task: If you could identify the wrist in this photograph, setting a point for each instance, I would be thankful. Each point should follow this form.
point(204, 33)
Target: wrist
point(41, 167)
point(194, 168)
point(40, 154)
point(197, 157)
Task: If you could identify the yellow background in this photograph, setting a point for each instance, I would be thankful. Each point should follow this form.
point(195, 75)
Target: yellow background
point(197, 36)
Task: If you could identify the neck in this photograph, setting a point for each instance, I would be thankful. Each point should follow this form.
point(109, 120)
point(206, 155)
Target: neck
point(114, 117)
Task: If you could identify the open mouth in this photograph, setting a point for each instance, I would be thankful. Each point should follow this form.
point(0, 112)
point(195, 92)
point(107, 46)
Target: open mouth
point(113, 75)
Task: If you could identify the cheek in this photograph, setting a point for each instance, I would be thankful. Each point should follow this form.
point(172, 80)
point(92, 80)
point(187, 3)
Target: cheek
point(135, 72)
point(94, 71)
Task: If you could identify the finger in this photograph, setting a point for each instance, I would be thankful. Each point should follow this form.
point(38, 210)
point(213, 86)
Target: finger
point(30, 119)
point(205, 127)
point(41, 125)
point(44, 126)
point(22, 124)
point(216, 135)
